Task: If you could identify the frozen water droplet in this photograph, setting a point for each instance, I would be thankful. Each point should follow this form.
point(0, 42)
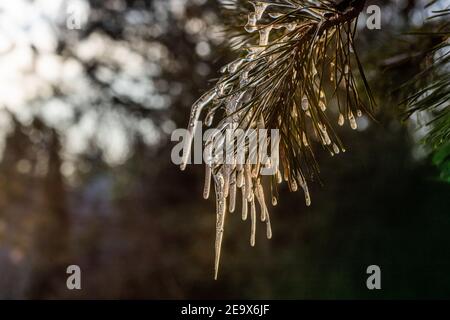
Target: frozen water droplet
point(279, 177)
point(274, 201)
point(341, 119)
point(305, 103)
point(307, 196)
point(352, 120)
point(294, 186)
point(335, 148)
point(322, 106)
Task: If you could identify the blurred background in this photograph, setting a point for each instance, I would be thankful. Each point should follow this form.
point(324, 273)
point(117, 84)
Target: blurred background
point(86, 178)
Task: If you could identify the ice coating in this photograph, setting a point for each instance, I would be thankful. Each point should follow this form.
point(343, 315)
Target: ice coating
point(234, 90)
point(260, 7)
point(232, 67)
point(251, 23)
point(193, 120)
point(264, 35)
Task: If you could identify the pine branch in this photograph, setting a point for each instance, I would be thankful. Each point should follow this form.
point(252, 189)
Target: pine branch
point(303, 63)
point(429, 91)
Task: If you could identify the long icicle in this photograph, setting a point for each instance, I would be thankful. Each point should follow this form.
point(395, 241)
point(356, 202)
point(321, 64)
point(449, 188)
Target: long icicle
point(220, 219)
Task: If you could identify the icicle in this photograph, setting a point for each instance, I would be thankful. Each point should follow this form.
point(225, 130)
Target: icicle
point(279, 177)
point(253, 221)
point(226, 179)
point(264, 35)
point(250, 27)
point(207, 186)
point(268, 227)
point(261, 200)
point(233, 192)
point(220, 219)
point(195, 114)
point(346, 69)
point(244, 204)
point(209, 118)
point(307, 197)
point(240, 176)
point(256, 170)
point(248, 182)
point(341, 119)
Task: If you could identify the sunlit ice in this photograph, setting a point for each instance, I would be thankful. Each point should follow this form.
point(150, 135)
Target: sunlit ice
point(237, 146)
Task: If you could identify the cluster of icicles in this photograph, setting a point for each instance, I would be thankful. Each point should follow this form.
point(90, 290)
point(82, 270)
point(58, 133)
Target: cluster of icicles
point(228, 178)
